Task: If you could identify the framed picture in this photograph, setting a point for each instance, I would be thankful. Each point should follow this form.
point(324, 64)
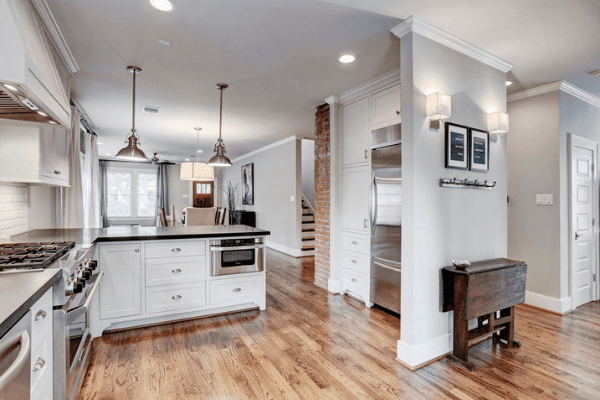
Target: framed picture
point(457, 155)
point(479, 149)
point(248, 184)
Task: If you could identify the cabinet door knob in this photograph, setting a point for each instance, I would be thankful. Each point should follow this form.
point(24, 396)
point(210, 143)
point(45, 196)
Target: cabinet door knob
point(176, 271)
point(353, 279)
point(57, 172)
point(177, 297)
point(176, 249)
point(39, 364)
point(366, 154)
point(354, 242)
point(40, 315)
point(237, 289)
point(366, 222)
point(397, 112)
point(137, 250)
point(353, 261)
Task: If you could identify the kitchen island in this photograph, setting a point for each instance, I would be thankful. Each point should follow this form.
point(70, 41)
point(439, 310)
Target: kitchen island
point(162, 274)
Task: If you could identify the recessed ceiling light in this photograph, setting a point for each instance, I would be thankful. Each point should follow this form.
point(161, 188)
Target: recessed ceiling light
point(164, 42)
point(347, 58)
point(508, 83)
point(199, 151)
point(100, 143)
point(107, 154)
point(162, 5)
point(42, 114)
point(53, 122)
point(187, 159)
point(11, 87)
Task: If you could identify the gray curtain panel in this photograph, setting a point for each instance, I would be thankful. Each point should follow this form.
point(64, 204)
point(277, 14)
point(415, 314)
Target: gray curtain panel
point(162, 190)
point(103, 194)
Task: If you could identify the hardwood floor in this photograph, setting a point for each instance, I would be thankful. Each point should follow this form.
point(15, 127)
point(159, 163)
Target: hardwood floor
point(312, 345)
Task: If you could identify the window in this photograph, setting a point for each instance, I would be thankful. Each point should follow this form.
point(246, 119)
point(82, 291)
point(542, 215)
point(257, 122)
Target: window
point(203, 188)
point(130, 193)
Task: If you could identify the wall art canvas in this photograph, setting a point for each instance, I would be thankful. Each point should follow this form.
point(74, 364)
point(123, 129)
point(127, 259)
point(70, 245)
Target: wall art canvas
point(248, 184)
point(479, 148)
point(457, 155)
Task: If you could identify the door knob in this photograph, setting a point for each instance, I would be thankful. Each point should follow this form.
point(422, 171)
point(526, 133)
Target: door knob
point(577, 236)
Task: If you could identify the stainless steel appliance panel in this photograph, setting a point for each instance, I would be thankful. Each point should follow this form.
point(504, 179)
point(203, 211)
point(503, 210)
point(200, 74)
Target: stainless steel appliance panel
point(386, 279)
point(386, 136)
point(235, 256)
point(386, 224)
point(15, 361)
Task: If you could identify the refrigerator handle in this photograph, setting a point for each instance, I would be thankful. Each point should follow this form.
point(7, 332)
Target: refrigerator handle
point(373, 213)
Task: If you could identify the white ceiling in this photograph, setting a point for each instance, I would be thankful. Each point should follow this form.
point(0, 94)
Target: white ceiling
point(280, 58)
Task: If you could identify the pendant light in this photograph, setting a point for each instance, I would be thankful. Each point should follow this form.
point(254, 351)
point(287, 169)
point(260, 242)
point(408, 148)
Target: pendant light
point(132, 152)
point(197, 171)
point(220, 159)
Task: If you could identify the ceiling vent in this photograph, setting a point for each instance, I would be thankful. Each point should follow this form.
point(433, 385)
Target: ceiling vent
point(151, 109)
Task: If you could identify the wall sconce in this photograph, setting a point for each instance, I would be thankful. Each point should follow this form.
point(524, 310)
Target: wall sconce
point(438, 107)
point(497, 123)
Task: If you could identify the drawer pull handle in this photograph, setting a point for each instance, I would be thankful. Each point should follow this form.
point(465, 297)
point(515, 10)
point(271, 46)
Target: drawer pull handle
point(176, 297)
point(354, 242)
point(40, 315)
point(137, 250)
point(57, 172)
point(354, 261)
point(176, 271)
point(237, 289)
point(39, 364)
point(397, 112)
point(176, 250)
point(366, 222)
point(353, 280)
point(366, 154)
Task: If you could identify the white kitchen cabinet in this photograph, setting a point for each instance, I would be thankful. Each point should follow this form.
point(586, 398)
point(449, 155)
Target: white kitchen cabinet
point(355, 132)
point(385, 107)
point(238, 289)
point(355, 198)
point(175, 297)
point(41, 346)
point(54, 155)
point(120, 291)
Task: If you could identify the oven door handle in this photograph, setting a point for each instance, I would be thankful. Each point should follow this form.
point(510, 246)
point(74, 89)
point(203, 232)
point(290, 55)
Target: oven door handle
point(82, 309)
point(20, 361)
point(235, 248)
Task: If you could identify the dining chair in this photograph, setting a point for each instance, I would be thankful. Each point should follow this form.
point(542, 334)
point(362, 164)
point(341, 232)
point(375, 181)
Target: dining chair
point(221, 215)
point(163, 217)
point(177, 212)
point(199, 216)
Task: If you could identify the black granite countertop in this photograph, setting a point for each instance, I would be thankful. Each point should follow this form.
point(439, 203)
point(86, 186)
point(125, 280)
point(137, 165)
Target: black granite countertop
point(120, 234)
point(19, 292)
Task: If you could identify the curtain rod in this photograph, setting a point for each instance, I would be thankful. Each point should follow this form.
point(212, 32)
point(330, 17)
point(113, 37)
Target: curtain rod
point(84, 121)
point(134, 162)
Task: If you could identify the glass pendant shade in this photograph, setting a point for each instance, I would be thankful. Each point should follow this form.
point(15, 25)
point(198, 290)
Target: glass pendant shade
point(195, 171)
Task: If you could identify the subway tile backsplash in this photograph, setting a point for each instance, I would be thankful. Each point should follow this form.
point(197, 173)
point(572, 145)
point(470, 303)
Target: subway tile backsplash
point(13, 209)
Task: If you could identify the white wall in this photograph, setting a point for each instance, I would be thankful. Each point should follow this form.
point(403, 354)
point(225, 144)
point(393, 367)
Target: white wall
point(533, 168)
point(277, 177)
point(441, 224)
point(179, 190)
point(308, 170)
point(41, 207)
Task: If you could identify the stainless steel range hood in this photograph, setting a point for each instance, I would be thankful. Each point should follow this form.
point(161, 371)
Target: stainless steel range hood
point(30, 85)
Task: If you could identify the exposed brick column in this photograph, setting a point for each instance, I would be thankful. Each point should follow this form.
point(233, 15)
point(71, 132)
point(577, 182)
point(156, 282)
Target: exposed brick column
point(322, 195)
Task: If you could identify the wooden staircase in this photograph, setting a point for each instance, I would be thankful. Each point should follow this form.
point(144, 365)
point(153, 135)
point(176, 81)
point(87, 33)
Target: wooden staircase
point(308, 231)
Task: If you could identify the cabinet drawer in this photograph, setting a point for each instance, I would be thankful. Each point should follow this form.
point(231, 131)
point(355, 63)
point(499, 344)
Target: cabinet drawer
point(43, 391)
point(167, 271)
point(176, 248)
point(356, 283)
point(175, 297)
point(41, 312)
point(354, 261)
point(41, 356)
point(354, 242)
point(227, 292)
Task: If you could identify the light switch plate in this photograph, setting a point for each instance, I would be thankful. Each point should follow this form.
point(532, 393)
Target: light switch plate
point(292, 198)
point(185, 196)
point(544, 199)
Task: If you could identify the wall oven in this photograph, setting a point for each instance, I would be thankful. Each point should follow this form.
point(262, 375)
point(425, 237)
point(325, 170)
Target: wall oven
point(236, 256)
point(72, 334)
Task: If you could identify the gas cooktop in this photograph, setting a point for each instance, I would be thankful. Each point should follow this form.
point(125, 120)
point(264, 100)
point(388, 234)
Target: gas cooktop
point(14, 256)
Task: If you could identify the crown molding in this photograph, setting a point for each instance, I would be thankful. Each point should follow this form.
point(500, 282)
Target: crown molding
point(563, 86)
point(267, 147)
point(56, 37)
point(332, 100)
point(417, 25)
point(388, 78)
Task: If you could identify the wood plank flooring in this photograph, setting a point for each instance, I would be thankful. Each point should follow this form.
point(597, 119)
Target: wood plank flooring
point(312, 345)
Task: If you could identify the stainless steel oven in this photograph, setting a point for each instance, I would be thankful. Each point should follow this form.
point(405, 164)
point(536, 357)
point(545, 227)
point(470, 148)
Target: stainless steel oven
point(72, 335)
point(236, 256)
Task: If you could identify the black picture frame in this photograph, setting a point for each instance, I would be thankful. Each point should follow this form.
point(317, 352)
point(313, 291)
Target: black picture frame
point(248, 184)
point(456, 146)
point(479, 150)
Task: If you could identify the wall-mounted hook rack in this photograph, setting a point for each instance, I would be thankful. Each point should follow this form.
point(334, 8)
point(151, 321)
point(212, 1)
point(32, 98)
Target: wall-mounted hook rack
point(466, 184)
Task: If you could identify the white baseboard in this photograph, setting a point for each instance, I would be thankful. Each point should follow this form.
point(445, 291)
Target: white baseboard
point(413, 356)
point(560, 306)
point(334, 286)
point(284, 249)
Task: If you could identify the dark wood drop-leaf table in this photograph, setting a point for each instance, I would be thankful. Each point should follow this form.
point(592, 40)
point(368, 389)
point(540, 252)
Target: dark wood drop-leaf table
point(480, 291)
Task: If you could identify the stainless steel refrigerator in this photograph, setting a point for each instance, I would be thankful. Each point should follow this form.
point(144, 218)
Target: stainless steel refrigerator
point(386, 217)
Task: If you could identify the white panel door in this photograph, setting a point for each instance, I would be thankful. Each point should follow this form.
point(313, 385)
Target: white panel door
point(355, 132)
point(120, 291)
point(583, 242)
point(355, 198)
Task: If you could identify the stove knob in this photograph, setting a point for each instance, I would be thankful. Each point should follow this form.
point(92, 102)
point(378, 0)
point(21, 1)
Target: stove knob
point(70, 287)
point(79, 286)
point(87, 274)
point(79, 273)
point(93, 264)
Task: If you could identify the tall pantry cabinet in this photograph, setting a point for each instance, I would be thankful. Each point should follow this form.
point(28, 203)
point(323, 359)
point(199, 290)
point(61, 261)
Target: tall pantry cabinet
point(372, 106)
